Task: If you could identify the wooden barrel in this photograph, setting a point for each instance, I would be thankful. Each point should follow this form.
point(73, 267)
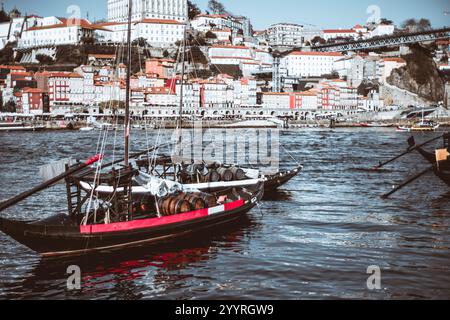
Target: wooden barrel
point(238, 173)
point(196, 202)
point(225, 174)
point(182, 206)
point(209, 200)
point(164, 206)
point(212, 176)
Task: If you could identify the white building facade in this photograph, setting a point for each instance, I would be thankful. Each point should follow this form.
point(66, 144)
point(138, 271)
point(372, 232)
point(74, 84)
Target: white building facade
point(291, 35)
point(310, 64)
point(61, 32)
point(148, 9)
point(158, 33)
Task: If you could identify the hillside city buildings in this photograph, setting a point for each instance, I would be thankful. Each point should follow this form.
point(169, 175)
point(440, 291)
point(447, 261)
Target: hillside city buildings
point(242, 71)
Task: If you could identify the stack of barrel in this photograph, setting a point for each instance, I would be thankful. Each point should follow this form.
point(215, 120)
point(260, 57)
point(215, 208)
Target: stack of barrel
point(185, 202)
point(214, 173)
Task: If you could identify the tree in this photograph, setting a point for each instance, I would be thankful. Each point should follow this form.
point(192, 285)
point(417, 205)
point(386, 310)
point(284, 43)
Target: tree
point(413, 25)
point(4, 16)
point(7, 54)
point(193, 10)
point(210, 35)
point(216, 7)
point(386, 21)
point(318, 40)
point(87, 40)
point(166, 54)
point(44, 59)
point(9, 106)
point(141, 42)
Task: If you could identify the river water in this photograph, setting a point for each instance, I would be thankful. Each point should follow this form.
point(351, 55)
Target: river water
point(313, 239)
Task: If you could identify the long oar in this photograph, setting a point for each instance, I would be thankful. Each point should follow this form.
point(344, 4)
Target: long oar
point(407, 182)
point(47, 184)
point(411, 149)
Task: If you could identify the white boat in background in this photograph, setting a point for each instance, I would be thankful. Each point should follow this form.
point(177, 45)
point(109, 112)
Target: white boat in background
point(422, 126)
point(87, 129)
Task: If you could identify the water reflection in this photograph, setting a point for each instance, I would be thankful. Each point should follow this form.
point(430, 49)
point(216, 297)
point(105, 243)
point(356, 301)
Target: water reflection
point(314, 238)
point(133, 273)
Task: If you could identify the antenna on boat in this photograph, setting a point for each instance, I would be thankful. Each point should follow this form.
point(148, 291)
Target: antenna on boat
point(127, 98)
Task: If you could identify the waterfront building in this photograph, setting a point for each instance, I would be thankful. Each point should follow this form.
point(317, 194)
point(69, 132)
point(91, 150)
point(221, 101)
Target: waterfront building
point(11, 31)
point(148, 9)
point(246, 26)
point(160, 96)
point(305, 100)
point(261, 37)
point(57, 31)
point(215, 93)
point(276, 100)
point(230, 55)
point(385, 66)
point(222, 35)
point(34, 101)
point(88, 74)
point(373, 102)
point(309, 64)
point(163, 68)
point(19, 80)
point(191, 94)
point(330, 34)
point(361, 30)
point(100, 60)
point(157, 32)
point(337, 95)
point(62, 87)
point(383, 29)
point(209, 22)
point(290, 34)
point(6, 70)
point(109, 91)
point(245, 92)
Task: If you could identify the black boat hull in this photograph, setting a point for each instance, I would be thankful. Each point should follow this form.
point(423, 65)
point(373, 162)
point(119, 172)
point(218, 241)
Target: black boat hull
point(61, 236)
point(272, 183)
point(442, 171)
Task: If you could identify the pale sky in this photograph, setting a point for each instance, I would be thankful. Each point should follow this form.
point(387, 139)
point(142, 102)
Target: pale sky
point(263, 13)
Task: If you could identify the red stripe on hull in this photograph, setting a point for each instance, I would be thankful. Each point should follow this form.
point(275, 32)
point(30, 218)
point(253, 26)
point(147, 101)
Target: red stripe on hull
point(234, 205)
point(154, 222)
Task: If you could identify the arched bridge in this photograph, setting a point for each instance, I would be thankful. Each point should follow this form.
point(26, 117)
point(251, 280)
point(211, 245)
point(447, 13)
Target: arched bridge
point(386, 41)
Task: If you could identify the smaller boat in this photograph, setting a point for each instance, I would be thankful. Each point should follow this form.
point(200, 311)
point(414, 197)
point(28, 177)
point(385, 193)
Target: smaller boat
point(422, 126)
point(87, 129)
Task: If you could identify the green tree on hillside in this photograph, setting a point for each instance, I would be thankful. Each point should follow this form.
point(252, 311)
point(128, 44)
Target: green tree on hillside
point(216, 7)
point(413, 25)
point(193, 10)
point(4, 16)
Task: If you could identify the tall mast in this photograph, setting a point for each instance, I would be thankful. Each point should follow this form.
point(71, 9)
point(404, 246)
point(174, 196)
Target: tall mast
point(127, 98)
point(183, 53)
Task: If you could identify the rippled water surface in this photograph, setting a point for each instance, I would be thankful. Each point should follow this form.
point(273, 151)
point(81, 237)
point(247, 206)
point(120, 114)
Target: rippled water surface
point(314, 238)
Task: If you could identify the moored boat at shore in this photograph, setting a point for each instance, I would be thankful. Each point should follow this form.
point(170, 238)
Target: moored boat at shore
point(422, 126)
point(146, 219)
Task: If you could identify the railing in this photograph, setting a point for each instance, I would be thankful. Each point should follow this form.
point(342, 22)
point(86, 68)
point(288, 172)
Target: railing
point(386, 41)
